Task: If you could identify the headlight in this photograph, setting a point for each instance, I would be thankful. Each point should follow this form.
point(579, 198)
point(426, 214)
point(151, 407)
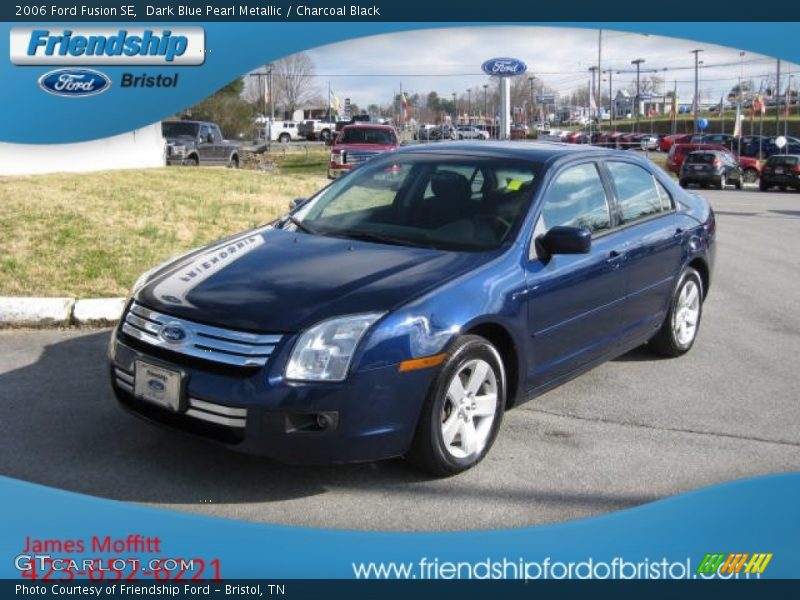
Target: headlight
point(324, 352)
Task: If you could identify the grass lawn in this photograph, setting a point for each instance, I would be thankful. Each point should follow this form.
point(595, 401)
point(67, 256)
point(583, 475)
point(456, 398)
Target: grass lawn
point(91, 235)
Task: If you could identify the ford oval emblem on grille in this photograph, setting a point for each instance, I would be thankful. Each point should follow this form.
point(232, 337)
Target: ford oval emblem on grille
point(156, 386)
point(74, 83)
point(173, 333)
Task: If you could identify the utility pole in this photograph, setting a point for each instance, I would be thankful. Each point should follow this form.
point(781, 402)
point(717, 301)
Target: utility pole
point(593, 70)
point(674, 107)
point(638, 62)
point(696, 53)
point(611, 108)
point(533, 102)
point(777, 95)
point(469, 104)
point(599, 71)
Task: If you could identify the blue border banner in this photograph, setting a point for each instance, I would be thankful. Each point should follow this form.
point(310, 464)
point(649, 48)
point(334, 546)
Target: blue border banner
point(233, 49)
point(750, 516)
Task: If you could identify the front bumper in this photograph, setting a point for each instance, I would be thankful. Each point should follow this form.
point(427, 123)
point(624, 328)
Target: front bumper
point(370, 416)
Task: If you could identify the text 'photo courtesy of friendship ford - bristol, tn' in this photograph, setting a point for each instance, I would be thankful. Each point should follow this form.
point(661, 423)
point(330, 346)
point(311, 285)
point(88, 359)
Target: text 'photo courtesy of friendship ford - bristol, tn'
point(404, 307)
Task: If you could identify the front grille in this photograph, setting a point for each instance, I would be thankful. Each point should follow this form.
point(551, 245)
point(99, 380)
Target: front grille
point(211, 412)
point(357, 157)
point(214, 344)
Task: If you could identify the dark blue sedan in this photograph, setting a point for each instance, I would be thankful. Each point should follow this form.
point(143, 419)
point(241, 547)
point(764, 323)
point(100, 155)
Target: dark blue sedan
point(402, 309)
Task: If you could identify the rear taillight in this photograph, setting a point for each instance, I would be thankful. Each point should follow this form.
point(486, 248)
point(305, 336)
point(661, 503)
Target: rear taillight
point(717, 163)
point(796, 169)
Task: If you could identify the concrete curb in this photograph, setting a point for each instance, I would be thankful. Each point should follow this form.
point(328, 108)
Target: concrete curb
point(59, 312)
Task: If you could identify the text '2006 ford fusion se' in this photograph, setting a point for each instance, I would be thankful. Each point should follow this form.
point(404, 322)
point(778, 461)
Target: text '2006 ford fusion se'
point(402, 309)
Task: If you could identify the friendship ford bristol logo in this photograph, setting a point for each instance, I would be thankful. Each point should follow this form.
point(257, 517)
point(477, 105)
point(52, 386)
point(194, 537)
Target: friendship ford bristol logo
point(174, 333)
point(504, 67)
point(74, 83)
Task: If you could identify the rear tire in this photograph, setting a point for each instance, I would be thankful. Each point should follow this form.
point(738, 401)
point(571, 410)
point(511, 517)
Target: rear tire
point(738, 184)
point(463, 411)
point(284, 138)
point(750, 175)
point(679, 329)
point(233, 163)
point(192, 161)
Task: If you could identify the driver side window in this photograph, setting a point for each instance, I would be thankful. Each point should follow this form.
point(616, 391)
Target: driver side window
point(577, 198)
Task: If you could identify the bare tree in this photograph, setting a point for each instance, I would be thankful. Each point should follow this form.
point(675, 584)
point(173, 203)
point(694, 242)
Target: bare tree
point(294, 80)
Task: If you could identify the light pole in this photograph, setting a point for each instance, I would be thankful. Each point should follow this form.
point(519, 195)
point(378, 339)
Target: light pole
point(533, 103)
point(596, 107)
point(696, 53)
point(638, 62)
point(485, 102)
point(469, 103)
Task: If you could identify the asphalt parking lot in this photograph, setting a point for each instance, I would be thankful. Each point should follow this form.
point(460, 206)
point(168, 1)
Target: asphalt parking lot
point(629, 432)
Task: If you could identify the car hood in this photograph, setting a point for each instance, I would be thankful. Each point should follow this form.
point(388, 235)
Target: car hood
point(274, 281)
point(366, 147)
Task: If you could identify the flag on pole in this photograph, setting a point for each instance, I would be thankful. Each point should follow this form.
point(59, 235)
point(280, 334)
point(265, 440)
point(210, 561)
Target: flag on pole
point(405, 105)
point(737, 126)
point(721, 106)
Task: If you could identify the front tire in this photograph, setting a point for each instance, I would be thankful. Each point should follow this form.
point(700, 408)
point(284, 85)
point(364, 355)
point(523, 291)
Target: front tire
point(679, 329)
point(463, 411)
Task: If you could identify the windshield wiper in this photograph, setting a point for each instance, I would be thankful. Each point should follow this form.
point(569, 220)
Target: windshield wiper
point(375, 237)
point(299, 224)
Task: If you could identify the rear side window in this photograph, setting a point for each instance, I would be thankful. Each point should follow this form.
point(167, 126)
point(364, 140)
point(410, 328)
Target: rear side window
point(577, 199)
point(696, 158)
point(639, 198)
point(780, 161)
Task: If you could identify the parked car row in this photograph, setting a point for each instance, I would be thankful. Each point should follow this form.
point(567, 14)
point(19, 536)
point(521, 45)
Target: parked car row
point(613, 139)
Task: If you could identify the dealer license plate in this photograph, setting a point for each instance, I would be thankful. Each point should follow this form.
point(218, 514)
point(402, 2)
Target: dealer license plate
point(158, 385)
point(779, 171)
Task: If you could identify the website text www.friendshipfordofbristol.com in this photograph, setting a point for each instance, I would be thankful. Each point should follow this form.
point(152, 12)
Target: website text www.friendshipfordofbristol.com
point(547, 568)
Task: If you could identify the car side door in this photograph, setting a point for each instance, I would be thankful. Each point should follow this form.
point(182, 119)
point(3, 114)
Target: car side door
point(574, 300)
point(220, 149)
point(205, 148)
point(654, 232)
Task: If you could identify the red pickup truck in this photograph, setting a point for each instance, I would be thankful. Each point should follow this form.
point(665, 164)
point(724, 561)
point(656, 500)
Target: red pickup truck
point(359, 142)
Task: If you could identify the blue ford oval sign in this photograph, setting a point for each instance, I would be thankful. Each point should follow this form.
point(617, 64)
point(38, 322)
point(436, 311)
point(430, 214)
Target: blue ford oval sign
point(74, 83)
point(504, 67)
point(156, 386)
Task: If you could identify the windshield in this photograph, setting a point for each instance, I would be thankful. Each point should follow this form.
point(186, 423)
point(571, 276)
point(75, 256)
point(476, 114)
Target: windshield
point(780, 161)
point(364, 135)
point(178, 128)
point(446, 202)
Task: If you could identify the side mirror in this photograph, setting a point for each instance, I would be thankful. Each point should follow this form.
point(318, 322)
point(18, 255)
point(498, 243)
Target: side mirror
point(565, 240)
point(210, 138)
point(297, 203)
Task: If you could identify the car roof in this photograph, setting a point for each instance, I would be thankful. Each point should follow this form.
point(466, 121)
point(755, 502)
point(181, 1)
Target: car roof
point(539, 151)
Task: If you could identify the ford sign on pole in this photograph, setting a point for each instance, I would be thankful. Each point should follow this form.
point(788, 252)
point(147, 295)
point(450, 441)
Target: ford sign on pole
point(504, 67)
